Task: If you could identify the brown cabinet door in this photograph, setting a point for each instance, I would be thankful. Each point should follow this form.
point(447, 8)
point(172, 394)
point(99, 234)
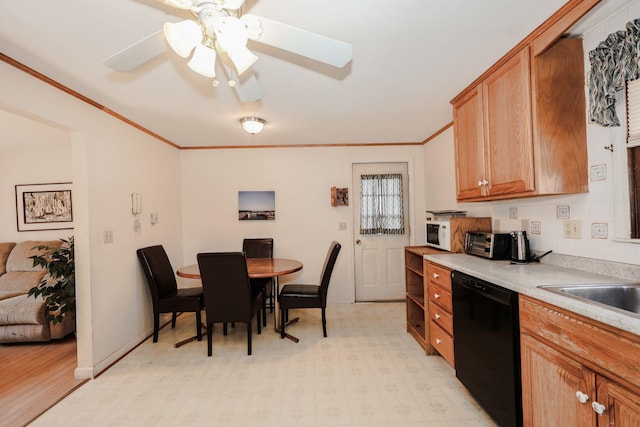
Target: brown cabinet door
point(550, 383)
point(469, 145)
point(621, 406)
point(508, 130)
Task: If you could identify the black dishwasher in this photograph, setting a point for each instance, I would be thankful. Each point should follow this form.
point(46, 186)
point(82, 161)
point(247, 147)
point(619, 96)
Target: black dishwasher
point(486, 332)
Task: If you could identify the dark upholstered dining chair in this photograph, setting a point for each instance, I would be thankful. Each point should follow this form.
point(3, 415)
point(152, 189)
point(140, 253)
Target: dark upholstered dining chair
point(261, 248)
point(309, 296)
point(165, 294)
point(227, 293)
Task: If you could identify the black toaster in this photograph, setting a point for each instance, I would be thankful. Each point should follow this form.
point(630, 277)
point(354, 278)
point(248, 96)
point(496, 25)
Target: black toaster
point(488, 245)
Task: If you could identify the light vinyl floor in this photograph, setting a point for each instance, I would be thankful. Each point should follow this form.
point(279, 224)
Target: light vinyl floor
point(368, 372)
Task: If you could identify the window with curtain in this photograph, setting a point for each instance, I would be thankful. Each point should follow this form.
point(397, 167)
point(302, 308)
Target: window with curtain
point(615, 66)
point(381, 209)
point(633, 154)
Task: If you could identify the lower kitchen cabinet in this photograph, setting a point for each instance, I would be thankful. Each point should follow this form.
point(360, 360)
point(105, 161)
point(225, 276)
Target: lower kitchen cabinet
point(577, 371)
point(439, 311)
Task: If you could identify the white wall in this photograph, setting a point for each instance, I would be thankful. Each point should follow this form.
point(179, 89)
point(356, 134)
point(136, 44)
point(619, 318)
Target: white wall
point(305, 221)
point(595, 206)
point(108, 160)
point(30, 166)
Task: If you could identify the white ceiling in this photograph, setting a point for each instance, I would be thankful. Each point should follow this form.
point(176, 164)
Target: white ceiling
point(410, 58)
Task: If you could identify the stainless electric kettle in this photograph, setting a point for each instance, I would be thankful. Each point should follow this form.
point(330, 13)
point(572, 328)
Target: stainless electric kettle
point(519, 247)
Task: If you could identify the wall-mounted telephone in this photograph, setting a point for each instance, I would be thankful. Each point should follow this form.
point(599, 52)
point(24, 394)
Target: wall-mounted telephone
point(136, 205)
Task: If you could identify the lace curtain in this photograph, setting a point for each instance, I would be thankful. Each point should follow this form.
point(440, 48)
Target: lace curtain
point(613, 62)
point(381, 210)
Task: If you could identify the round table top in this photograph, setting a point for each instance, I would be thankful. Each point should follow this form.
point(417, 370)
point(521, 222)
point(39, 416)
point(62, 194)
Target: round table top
point(257, 267)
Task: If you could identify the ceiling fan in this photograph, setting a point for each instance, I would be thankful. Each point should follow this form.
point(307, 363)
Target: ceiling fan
point(219, 35)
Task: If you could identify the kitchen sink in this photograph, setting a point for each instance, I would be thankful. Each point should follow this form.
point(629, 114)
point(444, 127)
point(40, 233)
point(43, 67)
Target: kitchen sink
point(618, 296)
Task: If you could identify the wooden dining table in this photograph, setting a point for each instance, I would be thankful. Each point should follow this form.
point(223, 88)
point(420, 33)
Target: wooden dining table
point(259, 268)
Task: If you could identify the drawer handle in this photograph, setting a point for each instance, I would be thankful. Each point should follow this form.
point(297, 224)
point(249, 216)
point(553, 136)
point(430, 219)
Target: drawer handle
point(437, 316)
point(438, 341)
point(436, 296)
point(436, 275)
point(582, 398)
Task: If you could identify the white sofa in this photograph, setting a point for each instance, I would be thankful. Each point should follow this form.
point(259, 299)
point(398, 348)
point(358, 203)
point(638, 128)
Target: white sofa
point(24, 318)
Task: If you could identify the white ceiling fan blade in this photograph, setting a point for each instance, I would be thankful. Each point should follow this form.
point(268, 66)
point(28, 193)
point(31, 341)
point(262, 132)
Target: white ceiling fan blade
point(296, 40)
point(138, 53)
point(180, 4)
point(247, 88)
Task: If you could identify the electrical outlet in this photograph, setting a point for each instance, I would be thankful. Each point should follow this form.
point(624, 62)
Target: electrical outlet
point(572, 229)
point(107, 236)
point(513, 213)
point(342, 225)
point(599, 230)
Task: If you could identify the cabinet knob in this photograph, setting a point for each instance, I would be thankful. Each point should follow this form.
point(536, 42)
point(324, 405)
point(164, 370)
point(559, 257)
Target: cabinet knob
point(437, 316)
point(438, 341)
point(582, 398)
point(599, 408)
point(436, 296)
point(436, 275)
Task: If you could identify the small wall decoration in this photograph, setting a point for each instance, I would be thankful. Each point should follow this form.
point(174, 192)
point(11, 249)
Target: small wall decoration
point(44, 207)
point(339, 196)
point(256, 205)
point(563, 212)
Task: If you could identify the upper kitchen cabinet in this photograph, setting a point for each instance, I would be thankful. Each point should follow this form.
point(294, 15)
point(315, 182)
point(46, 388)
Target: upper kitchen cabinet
point(520, 129)
point(492, 128)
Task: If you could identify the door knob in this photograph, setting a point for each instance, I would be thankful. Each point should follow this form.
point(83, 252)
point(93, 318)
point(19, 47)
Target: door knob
point(358, 241)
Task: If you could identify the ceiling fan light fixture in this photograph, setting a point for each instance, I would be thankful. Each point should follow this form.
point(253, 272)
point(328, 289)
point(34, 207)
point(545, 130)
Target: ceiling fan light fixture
point(231, 35)
point(203, 61)
point(242, 59)
point(252, 125)
point(183, 36)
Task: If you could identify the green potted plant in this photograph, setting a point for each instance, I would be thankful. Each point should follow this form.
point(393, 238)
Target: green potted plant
point(58, 287)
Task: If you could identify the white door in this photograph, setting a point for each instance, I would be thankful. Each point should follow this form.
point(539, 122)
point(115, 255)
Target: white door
point(379, 251)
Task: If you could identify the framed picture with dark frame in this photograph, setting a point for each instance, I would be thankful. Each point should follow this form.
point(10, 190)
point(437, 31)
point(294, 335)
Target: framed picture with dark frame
point(44, 206)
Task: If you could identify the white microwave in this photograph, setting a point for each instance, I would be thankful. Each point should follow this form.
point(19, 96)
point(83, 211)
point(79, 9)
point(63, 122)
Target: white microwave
point(438, 234)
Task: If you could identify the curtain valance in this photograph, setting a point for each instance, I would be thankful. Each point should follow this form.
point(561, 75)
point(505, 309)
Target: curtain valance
point(613, 62)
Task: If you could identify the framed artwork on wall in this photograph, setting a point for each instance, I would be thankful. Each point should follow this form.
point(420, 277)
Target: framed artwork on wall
point(339, 196)
point(256, 205)
point(44, 206)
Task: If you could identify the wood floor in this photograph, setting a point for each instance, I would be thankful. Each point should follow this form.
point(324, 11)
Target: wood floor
point(33, 377)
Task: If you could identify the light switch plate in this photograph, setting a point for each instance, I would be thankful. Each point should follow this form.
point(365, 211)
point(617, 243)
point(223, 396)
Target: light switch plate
point(598, 172)
point(572, 229)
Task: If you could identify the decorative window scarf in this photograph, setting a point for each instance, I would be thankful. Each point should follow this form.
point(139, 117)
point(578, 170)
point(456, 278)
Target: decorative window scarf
point(613, 62)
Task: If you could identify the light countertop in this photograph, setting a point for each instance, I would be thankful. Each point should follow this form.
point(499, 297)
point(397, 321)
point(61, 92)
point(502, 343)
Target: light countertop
point(525, 279)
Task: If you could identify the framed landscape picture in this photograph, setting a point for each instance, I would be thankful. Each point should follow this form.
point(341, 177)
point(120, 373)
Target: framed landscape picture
point(256, 205)
point(44, 206)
